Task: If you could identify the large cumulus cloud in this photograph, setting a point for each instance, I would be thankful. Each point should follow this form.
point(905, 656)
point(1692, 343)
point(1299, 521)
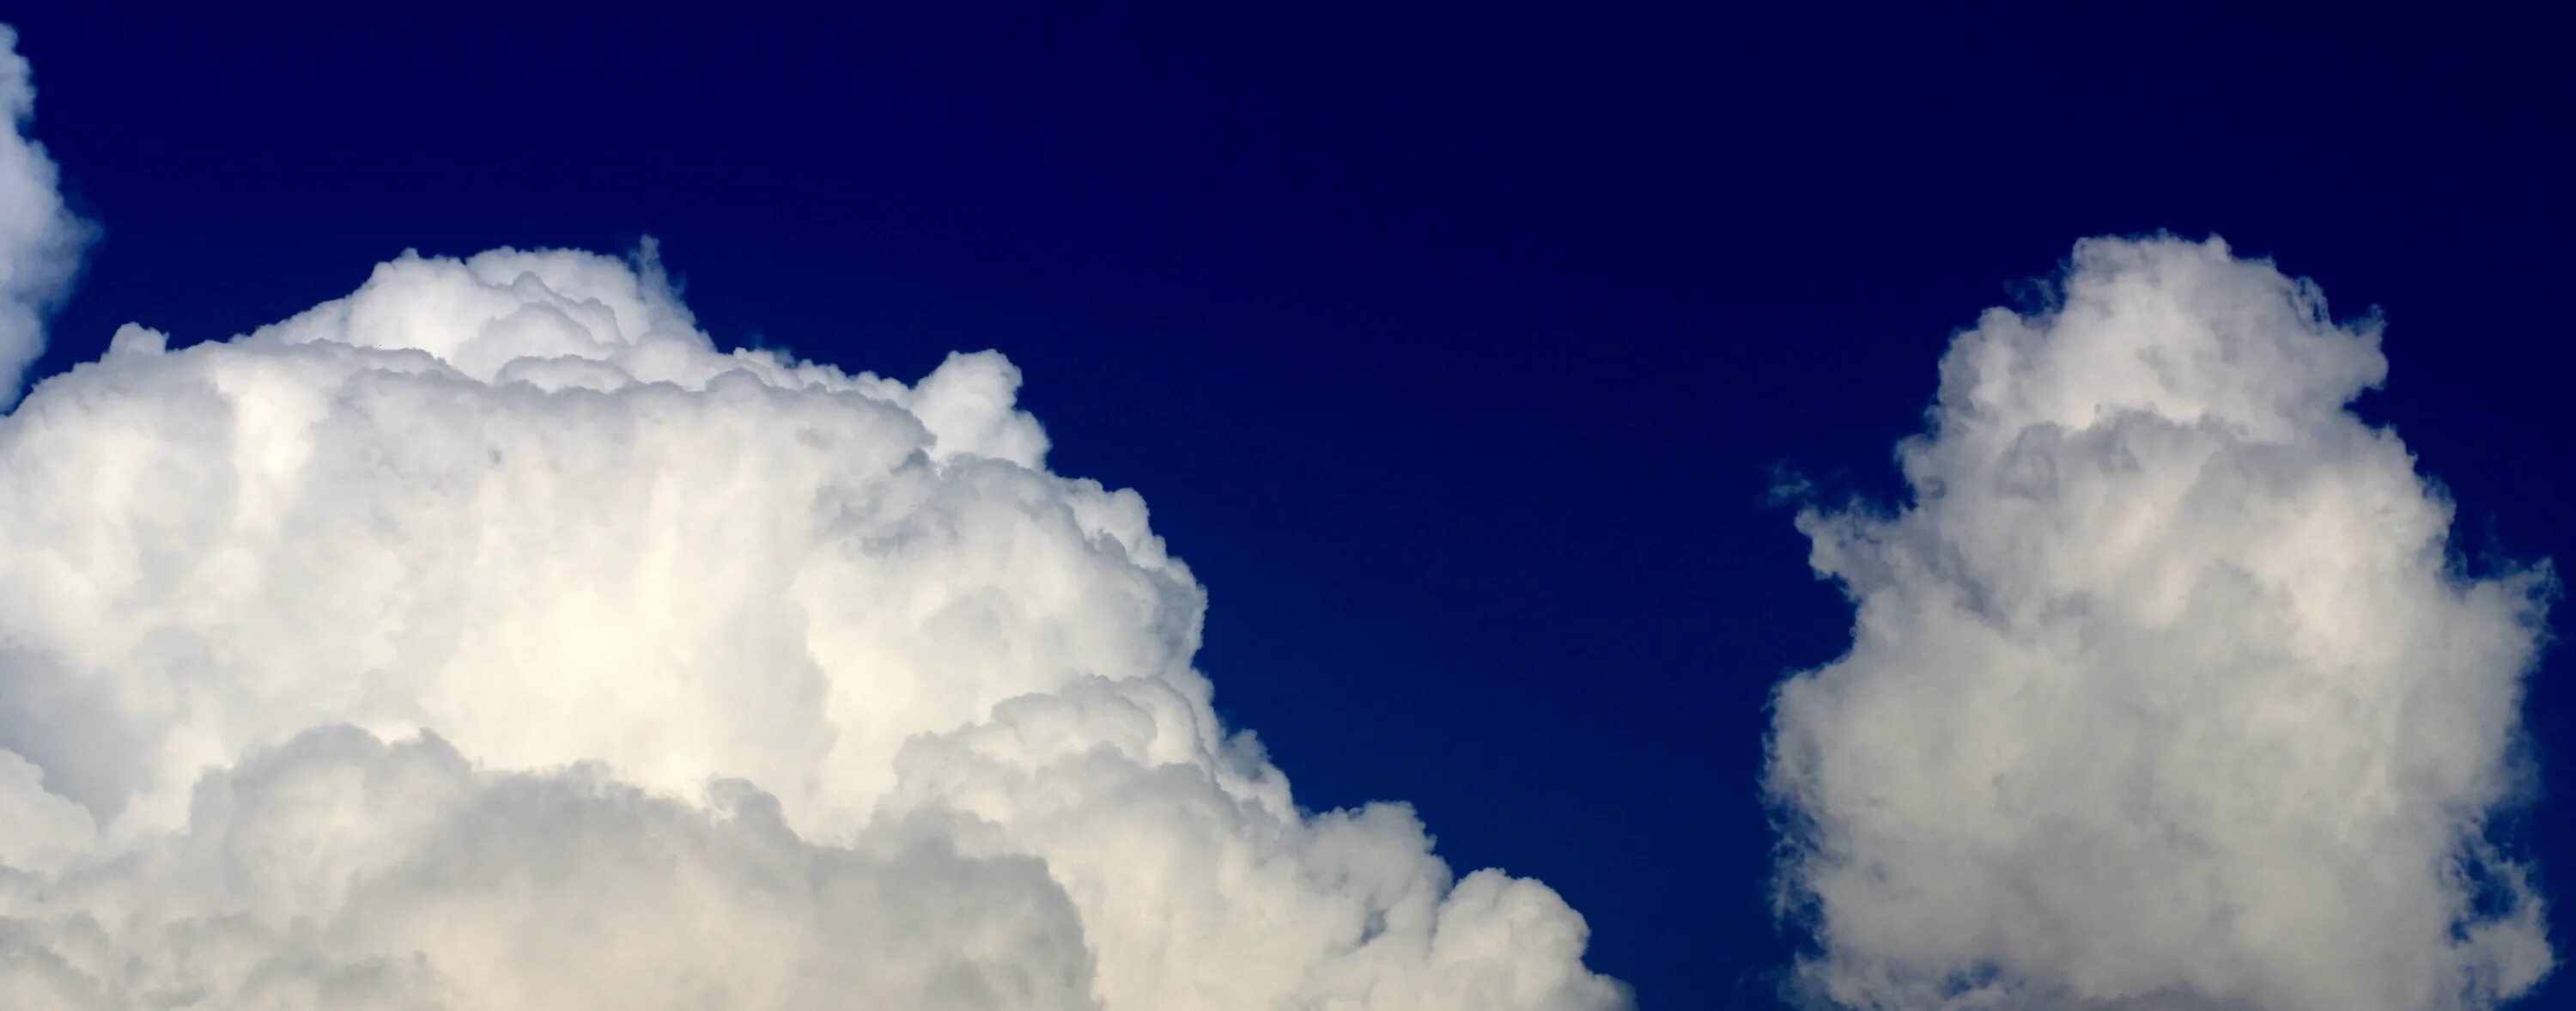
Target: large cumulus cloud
point(490, 639)
point(2166, 689)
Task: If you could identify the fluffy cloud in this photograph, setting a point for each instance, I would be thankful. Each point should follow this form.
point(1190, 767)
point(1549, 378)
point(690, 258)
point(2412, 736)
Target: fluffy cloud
point(489, 639)
point(40, 240)
point(2165, 691)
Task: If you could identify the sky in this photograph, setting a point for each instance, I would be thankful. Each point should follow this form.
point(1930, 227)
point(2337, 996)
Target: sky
point(1463, 357)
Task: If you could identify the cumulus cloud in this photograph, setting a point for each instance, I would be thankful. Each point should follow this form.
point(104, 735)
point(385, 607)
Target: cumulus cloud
point(40, 240)
point(2166, 689)
point(489, 639)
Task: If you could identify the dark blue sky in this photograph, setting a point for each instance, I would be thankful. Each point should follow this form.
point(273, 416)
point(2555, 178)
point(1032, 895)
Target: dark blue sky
point(1456, 349)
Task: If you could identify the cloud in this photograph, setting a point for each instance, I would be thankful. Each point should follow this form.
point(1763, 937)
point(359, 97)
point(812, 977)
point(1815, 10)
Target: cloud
point(489, 639)
point(2165, 691)
point(40, 240)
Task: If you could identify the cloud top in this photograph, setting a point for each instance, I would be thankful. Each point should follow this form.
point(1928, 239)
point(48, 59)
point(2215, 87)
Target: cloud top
point(40, 240)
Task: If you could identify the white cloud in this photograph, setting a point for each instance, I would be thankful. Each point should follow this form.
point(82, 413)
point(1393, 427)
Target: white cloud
point(40, 240)
point(488, 639)
point(2165, 690)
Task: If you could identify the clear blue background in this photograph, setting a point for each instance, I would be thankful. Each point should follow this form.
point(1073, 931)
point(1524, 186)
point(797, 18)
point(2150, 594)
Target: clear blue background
point(1455, 348)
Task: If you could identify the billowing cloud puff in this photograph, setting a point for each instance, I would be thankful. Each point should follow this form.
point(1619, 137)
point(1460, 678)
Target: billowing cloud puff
point(489, 639)
point(2165, 691)
point(40, 240)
